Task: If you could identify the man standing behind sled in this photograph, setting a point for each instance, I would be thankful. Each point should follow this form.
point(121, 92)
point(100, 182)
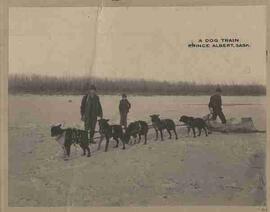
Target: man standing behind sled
point(215, 106)
point(90, 110)
point(124, 107)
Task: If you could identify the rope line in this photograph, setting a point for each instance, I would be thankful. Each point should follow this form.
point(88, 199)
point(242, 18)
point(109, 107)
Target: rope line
point(150, 126)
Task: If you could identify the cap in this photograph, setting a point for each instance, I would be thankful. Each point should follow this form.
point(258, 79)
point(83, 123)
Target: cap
point(92, 87)
point(218, 89)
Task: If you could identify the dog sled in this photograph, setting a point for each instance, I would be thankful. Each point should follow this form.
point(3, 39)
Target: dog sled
point(233, 125)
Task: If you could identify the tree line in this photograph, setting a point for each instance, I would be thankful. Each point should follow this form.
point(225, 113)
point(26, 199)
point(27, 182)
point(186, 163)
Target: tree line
point(49, 85)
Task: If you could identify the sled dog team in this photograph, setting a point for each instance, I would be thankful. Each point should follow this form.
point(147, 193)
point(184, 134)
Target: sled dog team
point(67, 137)
point(91, 109)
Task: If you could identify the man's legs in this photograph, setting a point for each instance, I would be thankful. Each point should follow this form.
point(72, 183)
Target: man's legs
point(214, 116)
point(220, 114)
point(86, 125)
point(92, 129)
point(87, 128)
point(222, 117)
point(123, 119)
point(90, 126)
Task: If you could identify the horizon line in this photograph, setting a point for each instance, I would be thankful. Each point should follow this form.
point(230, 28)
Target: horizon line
point(70, 77)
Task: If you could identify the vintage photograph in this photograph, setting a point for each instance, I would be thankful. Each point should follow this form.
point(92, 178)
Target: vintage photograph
point(137, 106)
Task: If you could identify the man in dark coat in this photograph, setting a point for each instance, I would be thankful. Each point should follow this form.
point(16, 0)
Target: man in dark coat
point(90, 110)
point(215, 106)
point(124, 107)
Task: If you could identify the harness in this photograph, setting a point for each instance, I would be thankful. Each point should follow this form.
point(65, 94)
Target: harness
point(76, 136)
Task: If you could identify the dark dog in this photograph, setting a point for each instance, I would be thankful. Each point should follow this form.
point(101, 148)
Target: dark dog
point(161, 124)
point(193, 123)
point(69, 136)
point(110, 131)
point(134, 129)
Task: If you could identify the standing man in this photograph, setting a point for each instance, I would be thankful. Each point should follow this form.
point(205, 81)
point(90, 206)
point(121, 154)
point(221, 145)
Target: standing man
point(124, 107)
point(90, 110)
point(215, 106)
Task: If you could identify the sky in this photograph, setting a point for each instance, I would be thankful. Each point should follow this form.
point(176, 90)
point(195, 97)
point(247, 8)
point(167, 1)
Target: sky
point(139, 43)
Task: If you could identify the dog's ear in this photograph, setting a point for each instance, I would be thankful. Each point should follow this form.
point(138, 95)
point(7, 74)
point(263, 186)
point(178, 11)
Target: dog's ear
point(58, 125)
point(107, 120)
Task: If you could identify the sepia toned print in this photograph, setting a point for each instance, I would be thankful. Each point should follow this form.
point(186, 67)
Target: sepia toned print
point(108, 109)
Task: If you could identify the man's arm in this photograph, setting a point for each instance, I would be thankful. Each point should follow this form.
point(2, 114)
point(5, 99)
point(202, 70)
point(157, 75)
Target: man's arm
point(210, 105)
point(220, 101)
point(99, 112)
point(120, 106)
point(83, 105)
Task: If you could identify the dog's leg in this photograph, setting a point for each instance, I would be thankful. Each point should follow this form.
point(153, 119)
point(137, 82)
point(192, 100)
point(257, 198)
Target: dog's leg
point(107, 144)
point(169, 133)
point(194, 133)
point(145, 138)
point(64, 151)
point(205, 130)
point(124, 145)
point(200, 131)
point(68, 150)
point(176, 136)
point(100, 141)
point(188, 128)
point(161, 134)
point(135, 138)
point(156, 134)
point(140, 137)
point(88, 151)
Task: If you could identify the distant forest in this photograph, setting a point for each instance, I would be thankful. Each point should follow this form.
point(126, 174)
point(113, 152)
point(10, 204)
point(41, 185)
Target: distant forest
point(49, 85)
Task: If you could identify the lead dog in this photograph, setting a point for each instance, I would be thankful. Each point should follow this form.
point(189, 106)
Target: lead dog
point(193, 123)
point(69, 136)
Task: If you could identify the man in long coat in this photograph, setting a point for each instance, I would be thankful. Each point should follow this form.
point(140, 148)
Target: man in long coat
point(90, 110)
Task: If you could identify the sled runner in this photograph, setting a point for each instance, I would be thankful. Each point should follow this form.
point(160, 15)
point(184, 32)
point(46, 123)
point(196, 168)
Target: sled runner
point(244, 125)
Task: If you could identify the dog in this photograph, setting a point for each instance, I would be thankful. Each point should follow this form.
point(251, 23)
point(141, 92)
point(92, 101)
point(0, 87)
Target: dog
point(193, 123)
point(161, 124)
point(134, 129)
point(69, 136)
point(110, 131)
